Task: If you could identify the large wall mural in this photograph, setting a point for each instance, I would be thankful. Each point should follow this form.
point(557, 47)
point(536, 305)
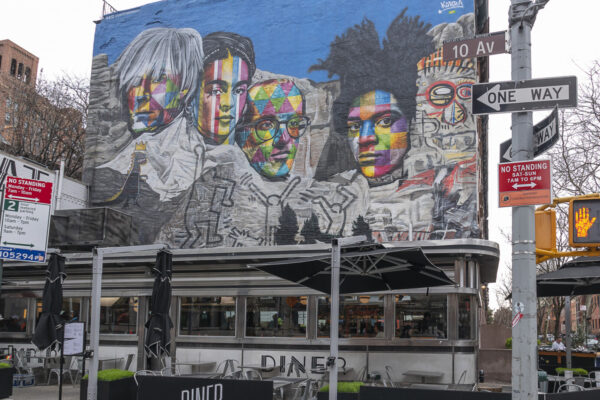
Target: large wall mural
point(216, 132)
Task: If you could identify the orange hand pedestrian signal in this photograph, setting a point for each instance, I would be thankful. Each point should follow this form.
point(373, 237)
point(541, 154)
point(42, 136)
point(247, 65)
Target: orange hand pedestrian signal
point(582, 222)
point(584, 230)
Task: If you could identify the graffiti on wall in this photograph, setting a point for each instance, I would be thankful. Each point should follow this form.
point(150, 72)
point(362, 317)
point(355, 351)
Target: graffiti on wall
point(205, 148)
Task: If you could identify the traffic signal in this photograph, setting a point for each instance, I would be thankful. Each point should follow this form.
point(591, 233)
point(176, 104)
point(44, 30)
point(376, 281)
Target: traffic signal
point(584, 222)
point(545, 230)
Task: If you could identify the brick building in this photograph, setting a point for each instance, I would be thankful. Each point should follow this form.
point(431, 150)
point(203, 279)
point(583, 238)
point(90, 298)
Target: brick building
point(16, 63)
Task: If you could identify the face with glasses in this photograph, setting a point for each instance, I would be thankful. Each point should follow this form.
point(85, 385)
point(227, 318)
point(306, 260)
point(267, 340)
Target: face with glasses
point(377, 133)
point(273, 127)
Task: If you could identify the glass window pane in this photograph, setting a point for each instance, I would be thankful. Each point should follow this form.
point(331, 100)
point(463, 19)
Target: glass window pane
point(71, 309)
point(118, 315)
point(466, 317)
point(207, 316)
point(422, 316)
point(276, 316)
point(13, 315)
point(360, 317)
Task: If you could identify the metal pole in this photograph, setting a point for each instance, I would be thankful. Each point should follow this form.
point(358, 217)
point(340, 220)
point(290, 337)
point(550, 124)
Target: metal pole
point(568, 340)
point(524, 345)
point(95, 323)
point(335, 317)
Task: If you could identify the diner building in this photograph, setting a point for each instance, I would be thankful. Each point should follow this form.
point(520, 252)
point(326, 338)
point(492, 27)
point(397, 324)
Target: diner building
point(236, 133)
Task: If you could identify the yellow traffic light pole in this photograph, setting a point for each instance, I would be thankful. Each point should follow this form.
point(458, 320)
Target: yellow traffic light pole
point(544, 254)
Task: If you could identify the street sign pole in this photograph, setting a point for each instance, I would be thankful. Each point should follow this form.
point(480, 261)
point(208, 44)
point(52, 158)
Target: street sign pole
point(524, 345)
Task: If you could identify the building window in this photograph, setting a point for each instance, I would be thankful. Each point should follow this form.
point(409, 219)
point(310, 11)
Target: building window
point(27, 75)
point(0, 61)
point(422, 316)
point(13, 315)
point(118, 315)
point(20, 71)
point(360, 317)
point(276, 316)
point(13, 67)
point(71, 309)
point(207, 316)
point(466, 317)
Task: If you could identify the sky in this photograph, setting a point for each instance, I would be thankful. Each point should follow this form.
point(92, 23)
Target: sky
point(61, 34)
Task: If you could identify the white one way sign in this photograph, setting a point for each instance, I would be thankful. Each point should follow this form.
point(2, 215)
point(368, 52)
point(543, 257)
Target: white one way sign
point(536, 94)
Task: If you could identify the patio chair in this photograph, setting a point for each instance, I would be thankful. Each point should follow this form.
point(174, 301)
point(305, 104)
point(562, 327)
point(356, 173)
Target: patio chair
point(593, 379)
point(21, 362)
point(144, 372)
point(76, 368)
point(53, 364)
point(128, 361)
point(570, 387)
point(227, 367)
point(253, 375)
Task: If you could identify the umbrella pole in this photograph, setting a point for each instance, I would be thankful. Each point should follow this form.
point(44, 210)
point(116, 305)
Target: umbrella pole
point(568, 329)
point(335, 317)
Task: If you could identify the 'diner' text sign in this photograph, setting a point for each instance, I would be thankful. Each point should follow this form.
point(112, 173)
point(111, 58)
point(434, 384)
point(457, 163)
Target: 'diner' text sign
point(25, 219)
point(525, 183)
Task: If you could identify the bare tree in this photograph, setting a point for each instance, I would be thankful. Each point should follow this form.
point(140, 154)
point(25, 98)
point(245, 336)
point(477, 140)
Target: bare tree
point(47, 123)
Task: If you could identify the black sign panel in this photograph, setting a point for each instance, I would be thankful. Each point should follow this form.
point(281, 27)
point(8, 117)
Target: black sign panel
point(190, 388)
point(545, 134)
point(477, 46)
point(535, 94)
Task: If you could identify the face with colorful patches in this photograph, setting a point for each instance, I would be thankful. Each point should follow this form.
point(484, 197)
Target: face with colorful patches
point(377, 133)
point(222, 97)
point(154, 103)
point(275, 124)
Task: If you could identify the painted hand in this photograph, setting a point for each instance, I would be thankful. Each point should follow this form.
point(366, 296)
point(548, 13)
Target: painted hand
point(582, 222)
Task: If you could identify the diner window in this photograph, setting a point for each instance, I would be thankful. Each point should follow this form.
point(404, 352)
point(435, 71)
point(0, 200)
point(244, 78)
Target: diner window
point(276, 316)
point(466, 317)
point(70, 311)
point(13, 315)
point(422, 316)
point(207, 316)
point(360, 317)
point(118, 315)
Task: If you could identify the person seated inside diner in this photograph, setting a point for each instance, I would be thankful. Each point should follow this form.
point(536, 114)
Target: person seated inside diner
point(558, 345)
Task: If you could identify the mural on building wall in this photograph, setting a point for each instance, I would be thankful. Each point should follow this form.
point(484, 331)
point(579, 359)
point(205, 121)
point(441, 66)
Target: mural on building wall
point(368, 133)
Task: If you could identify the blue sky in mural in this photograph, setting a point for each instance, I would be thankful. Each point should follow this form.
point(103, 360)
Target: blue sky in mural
point(288, 39)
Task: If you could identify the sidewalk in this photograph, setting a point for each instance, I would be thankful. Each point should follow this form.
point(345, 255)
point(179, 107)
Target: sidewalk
point(45, 392)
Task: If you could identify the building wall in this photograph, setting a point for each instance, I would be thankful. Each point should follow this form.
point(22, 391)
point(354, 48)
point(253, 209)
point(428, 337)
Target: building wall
point(391, 150)
point(11, 53)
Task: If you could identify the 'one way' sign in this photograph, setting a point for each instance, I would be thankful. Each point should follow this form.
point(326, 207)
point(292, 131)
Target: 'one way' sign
point(535, 94)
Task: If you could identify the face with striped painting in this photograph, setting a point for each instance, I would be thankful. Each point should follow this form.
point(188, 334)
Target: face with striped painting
point(221, 100)
point(377, 132)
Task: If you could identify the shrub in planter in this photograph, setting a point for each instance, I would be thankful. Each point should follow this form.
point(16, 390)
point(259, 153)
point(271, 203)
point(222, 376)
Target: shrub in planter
point(6, 380)
point(113, 384)
point(346, 391)
point(576, 371)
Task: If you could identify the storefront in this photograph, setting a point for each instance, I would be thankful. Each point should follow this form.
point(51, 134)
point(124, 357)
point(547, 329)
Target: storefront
point(223, 310)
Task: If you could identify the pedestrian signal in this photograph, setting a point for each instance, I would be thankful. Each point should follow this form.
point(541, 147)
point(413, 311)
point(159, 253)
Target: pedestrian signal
point(584, 223)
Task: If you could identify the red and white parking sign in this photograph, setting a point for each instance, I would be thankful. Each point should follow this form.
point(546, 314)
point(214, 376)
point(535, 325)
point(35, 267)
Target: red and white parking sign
point(524, 183)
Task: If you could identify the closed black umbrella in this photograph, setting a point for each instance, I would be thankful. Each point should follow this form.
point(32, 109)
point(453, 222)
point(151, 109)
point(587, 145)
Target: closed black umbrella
point(576, 277)
point(158, 327)
point(48, 330)
point(370, 268)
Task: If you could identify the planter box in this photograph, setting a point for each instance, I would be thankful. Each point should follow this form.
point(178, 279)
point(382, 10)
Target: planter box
point(122, 389)
point(6, 382)
point(340, 396)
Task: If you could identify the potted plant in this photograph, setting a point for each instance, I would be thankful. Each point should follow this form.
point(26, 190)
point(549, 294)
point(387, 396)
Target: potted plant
point(346, 391)
point(6, 380)
point(113, 384)
point(579, 374)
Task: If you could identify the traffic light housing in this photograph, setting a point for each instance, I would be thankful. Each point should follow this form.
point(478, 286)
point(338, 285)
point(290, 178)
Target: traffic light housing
point(545, 230)
point(584, 222)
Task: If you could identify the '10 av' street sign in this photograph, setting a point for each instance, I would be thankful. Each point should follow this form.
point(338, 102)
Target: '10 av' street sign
point(25, 219)
point(535, 94)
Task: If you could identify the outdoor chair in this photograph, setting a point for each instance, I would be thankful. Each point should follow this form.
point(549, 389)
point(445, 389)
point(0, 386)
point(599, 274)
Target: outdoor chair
point(144, 372)
point(53, 365)
point(253, 375)
point(128, 361)
point(21, 362)
point(76, 368)
point(570, 387)
point(227, 367)
point(593, 379)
